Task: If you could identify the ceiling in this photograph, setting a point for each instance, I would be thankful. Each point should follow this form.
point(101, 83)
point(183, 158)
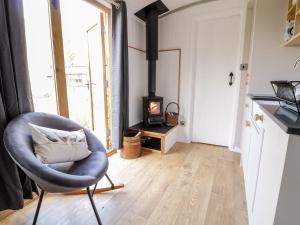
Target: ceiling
point(135, 5)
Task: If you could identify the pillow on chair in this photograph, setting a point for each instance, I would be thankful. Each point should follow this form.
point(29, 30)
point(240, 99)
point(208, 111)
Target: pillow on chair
point(57, 146)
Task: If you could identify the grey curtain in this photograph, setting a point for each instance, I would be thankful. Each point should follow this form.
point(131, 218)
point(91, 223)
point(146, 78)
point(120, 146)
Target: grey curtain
point(15, 98)
point(120, 107)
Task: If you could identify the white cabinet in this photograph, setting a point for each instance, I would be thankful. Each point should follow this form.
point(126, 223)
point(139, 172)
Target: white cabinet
point(270, 173)
point(251, 146)
point(252, 170)
point(270, 160)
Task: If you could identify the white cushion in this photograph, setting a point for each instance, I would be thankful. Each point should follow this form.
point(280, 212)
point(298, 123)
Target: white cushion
point(57, 146)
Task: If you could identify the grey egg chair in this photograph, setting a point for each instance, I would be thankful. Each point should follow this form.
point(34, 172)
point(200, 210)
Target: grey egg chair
point(55, 178)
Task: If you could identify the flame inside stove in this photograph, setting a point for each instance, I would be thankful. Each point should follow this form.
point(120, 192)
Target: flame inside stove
point(154, 108)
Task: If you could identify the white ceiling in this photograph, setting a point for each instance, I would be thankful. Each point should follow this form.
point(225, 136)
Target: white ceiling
point(135, 5)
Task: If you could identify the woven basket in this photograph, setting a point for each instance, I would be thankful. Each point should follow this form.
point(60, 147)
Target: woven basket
point(132, 146)
point(172, 117)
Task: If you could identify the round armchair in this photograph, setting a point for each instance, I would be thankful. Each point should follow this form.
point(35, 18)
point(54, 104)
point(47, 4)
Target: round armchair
point(55, 178)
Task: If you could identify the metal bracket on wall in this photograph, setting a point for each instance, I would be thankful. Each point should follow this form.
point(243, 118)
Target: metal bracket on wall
point(244, 67)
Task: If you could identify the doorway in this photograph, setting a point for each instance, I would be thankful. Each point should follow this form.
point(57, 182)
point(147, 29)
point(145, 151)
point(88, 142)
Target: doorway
point(98, 82)
point(216, 68)
point(85, 65)
point(69, 64)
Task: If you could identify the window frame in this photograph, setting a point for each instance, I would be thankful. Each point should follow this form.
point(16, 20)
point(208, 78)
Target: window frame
point(59, 61)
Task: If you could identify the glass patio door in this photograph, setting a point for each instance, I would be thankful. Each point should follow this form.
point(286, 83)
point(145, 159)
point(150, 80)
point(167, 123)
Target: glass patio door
point(67, 50)
point(84, 65)
point(97, 81)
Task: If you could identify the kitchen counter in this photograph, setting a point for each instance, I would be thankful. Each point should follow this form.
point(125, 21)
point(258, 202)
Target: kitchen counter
point(287, 120)
point(262, 97)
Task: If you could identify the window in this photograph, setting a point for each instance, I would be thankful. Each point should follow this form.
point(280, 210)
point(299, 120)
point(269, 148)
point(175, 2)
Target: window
point(68, 59)
point(39, 55)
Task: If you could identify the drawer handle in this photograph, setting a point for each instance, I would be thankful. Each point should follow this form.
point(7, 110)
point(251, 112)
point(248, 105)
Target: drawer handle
point(248, 124)
point(259, 117)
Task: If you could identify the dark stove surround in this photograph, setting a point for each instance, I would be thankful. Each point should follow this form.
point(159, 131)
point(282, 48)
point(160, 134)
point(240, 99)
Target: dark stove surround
point(150, 14)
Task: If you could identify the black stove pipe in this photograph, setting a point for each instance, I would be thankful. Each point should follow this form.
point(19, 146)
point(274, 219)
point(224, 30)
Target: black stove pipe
point(150, 14)
point(151, 77)
point(152, 49)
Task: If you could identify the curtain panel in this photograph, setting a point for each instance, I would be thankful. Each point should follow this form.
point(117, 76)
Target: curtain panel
point(15, 98)
point(120, 74)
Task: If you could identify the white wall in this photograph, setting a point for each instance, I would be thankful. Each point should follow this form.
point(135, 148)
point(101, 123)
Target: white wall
point(137, 67)
point(243, 78)
point(137, 85)
point(270, 60)
point(177, 31)
point(167, 78)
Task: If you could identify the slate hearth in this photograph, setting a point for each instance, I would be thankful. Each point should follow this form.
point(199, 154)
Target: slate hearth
point(154, 128)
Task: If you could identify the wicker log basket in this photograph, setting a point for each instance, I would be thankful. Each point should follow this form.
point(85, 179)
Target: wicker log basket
point(131, 145)
point(172, 117)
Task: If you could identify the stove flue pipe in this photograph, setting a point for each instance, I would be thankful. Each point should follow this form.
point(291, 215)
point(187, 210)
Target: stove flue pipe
point(152, 49)
point(150, 14)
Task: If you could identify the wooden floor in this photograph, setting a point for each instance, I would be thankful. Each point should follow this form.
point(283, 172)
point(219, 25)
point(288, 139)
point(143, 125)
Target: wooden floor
point(193, 184)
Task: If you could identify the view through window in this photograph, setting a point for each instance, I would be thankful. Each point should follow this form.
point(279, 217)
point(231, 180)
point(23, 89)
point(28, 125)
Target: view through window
point(39, 55)
point(85, 58)
point(81, 28)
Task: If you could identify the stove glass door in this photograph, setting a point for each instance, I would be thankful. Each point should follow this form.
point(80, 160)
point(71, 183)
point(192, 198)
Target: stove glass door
point(154, 108)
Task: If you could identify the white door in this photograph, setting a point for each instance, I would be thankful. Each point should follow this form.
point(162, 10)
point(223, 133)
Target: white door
point(216, 59)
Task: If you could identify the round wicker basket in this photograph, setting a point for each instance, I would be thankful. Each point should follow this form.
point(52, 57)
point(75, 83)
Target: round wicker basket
point(172, 117)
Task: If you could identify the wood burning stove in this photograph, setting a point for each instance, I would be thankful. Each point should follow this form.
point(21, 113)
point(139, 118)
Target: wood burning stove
point(153, 110)
point(152, 105)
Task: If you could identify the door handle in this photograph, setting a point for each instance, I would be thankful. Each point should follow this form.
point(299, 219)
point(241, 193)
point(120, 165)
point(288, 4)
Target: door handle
point(87, 85)
point(231, 79)
point(258, 117)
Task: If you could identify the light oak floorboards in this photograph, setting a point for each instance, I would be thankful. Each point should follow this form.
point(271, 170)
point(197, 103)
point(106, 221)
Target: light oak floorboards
point(194, 184)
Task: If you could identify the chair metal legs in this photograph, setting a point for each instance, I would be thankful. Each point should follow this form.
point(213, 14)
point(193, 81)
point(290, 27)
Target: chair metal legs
point(93, 205)
point(90, 197)
point(110, 181)
point(41, 199)
point(38, 208)
point(95, 187)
